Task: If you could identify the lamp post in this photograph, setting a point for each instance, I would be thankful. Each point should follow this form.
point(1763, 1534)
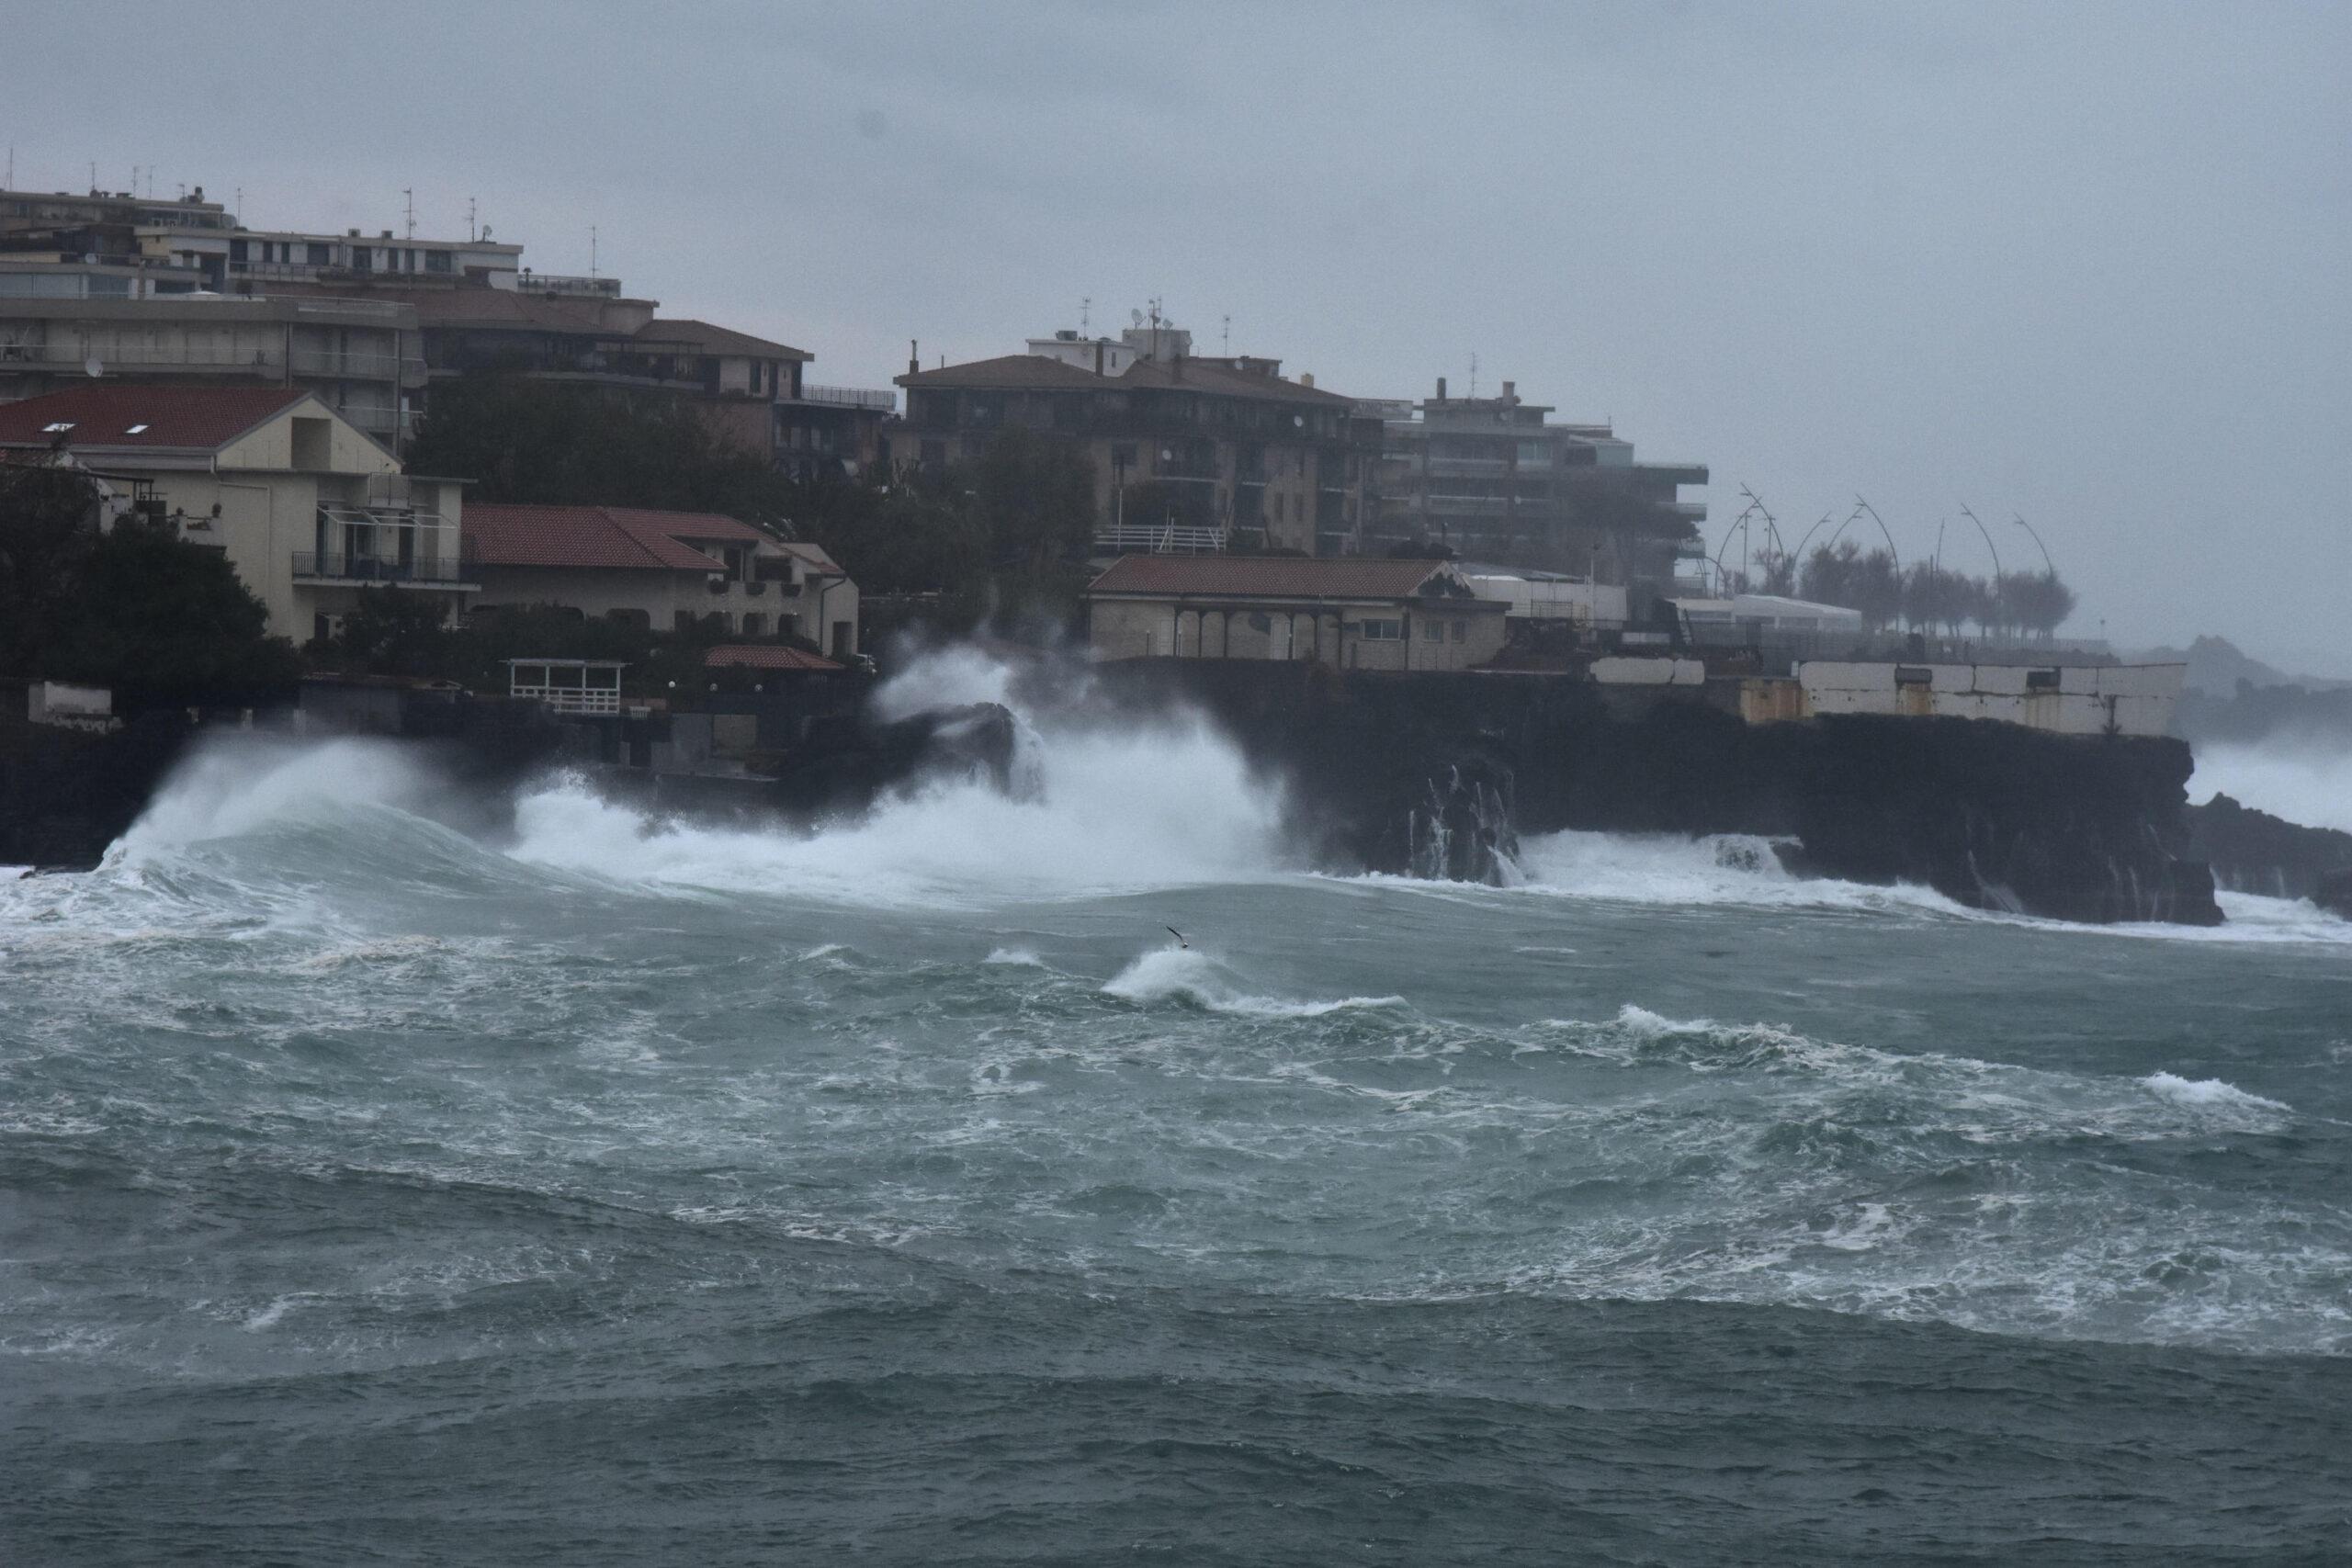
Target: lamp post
point(2039, 545)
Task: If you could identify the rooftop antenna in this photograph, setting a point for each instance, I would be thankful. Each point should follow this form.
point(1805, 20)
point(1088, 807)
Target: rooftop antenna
point(94, 176)
point(1474, 372)
point(470, 234)
point(592, 250)
point(1225, 340)
point(240, 208)
point(408, 197)
point(1086, 316)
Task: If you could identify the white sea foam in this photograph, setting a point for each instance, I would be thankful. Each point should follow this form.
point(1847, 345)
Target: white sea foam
point(1019, 956)
point(232, 788)
point(2208, 1093)
point(1178, 973)
point(1110, 807)
point(2310, 785)
point(1720, 868)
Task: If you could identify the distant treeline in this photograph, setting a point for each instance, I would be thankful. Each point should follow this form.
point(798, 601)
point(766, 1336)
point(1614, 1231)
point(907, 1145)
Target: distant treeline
point(1924, 596)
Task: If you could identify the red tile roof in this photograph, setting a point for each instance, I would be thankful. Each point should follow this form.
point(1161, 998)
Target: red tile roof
point(132, 414)
point(622, 536)
point(764, 656)
point(1266, 577)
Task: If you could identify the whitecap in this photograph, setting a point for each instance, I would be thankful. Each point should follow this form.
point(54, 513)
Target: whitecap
point(2207, 1094)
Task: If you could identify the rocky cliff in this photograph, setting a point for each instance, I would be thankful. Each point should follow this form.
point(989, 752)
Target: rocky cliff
point(1434, 773)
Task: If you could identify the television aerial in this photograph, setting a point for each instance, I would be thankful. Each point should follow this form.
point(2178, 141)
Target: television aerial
point(92, 368)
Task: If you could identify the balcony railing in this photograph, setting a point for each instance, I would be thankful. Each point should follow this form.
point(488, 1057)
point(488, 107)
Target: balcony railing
point(532, 282)
point(332, 566)
point(367, 367)
point(851, 397)
point(1159, 540)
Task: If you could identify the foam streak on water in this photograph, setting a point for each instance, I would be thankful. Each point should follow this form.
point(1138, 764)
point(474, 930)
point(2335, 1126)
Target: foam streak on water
point(626, 1187)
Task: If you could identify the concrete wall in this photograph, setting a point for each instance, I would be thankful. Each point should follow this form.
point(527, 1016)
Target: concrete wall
point(2125, 699)
point(1163, 628)
point(1649, 672)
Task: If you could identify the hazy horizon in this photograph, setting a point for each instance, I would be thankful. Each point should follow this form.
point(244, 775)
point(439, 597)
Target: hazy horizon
point(2086, 266)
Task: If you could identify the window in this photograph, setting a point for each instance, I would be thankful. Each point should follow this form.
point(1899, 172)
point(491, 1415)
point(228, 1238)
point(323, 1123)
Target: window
point(1534, 454)
point(237, 252)
point(1461, 631)
point(319, 255)
point(755, 623)
point(1433, 630)
point(436, 261)
point(1381, 631)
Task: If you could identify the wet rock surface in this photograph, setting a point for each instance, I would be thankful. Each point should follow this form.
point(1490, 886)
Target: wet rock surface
point(1992, 815)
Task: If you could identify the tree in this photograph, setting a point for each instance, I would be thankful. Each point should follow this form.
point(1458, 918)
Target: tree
point(1035, 497)
point(561, 443)
point(165, 622)
point(49, 524)
point(2038, 602)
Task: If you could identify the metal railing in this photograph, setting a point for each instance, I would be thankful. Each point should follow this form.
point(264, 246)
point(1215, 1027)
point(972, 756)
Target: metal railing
point(337, 567)
point(531, 282)
point(1159, 540)
point(334, 362)
point(571, 699)
point(851, 397)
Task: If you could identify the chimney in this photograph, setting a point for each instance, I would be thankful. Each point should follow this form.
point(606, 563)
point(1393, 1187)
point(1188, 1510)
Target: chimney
point(914, 357)
point(1306, 377)
point(1510, 391)
point(1441, 388)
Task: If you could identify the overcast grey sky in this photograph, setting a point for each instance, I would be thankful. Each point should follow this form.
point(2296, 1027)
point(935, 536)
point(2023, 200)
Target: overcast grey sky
point(2085, 262)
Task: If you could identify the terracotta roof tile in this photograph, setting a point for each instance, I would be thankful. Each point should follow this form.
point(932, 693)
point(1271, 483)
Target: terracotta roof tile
point(764, 656)
point(130, 414)
point(1266, 577)
point(592, 536)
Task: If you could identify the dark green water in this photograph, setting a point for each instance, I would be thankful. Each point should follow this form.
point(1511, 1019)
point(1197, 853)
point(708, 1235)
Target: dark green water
point(372, 1194)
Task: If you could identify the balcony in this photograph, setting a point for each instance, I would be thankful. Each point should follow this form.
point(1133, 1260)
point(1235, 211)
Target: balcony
point(357, 367)
point(851, 397)
point(430, 571)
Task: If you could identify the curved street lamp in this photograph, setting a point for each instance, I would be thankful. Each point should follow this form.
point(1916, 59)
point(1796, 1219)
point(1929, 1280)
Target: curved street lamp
point(2031, 532)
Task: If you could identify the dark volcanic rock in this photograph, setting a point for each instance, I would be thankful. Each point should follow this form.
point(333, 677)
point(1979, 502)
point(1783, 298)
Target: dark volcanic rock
point(1992, 816)
point(2253, 851)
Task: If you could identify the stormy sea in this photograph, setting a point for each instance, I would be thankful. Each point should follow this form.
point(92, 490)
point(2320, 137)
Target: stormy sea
point(383, 1182)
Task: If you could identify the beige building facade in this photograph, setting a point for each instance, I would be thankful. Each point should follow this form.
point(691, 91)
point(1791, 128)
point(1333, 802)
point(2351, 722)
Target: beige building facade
point(309, 510)
point(1351, 614)
point(662, 571)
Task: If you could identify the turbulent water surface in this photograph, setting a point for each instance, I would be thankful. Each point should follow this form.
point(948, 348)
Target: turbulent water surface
point(371, 1191)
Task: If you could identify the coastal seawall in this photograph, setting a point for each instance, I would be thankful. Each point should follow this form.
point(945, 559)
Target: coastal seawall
point(1434, 773)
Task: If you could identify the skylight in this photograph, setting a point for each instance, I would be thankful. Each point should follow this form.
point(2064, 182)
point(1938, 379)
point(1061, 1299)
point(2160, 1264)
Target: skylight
point(135, 430)
point(58, 428)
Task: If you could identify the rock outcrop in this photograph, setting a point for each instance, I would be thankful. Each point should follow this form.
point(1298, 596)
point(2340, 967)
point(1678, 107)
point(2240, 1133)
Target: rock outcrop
point(1992, 816)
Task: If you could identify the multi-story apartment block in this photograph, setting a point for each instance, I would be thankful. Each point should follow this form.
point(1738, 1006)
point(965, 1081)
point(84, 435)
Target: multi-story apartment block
point(1187, 451)
point(395, 312)
point(1496, 480)
point(362, 358)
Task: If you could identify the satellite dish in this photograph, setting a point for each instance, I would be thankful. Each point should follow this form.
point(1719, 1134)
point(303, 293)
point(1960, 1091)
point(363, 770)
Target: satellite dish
point(92, 368)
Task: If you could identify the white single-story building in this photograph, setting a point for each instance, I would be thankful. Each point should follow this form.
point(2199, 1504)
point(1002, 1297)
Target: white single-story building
point(1348, 612)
